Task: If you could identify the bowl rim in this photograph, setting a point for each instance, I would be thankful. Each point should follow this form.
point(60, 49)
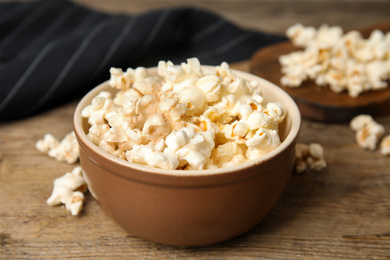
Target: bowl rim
point(290, 139)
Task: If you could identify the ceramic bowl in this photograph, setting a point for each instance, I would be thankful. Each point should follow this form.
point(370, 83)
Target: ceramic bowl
point(196, 207)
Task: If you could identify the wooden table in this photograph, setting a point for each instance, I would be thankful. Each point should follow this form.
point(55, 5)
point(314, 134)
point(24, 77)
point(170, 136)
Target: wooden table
point(342, 212)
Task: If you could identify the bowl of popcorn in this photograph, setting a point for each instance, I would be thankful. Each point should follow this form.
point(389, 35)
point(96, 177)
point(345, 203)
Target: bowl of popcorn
point(186, 154)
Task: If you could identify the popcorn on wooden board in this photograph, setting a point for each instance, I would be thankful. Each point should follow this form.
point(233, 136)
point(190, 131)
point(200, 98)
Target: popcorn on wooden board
point(342, 61)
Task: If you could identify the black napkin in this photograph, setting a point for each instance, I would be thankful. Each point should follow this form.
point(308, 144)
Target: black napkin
point(52, 51)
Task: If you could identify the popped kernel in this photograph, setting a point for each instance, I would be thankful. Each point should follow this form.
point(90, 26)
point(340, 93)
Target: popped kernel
point(69, 190)
point(385, 145)
point(309, 156)
point(184, 118)
point(65, 151)
point(367, 131)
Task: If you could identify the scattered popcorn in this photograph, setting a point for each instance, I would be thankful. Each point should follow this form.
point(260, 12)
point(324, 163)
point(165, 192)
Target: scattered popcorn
point(309, 156)
point(69, 190)
point(65, 151)
point(184, 118)
point(368, 132)
point(344, 62)
point(385, 145)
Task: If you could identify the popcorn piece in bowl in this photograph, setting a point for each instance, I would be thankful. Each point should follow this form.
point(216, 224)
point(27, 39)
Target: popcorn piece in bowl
point(69, 190)
point(184, 118)
point(64, 151)
point(309, 156)
point(367, 131)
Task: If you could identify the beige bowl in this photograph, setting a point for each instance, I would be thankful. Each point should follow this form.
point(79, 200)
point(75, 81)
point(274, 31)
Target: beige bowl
point(189, 208)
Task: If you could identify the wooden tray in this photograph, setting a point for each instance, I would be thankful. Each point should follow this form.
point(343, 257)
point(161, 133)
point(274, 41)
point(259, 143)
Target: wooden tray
point(320, 103)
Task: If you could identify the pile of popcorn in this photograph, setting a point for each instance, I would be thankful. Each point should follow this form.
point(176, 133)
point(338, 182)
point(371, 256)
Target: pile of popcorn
point(183, 118)
point(344, 62)
point(368, 133)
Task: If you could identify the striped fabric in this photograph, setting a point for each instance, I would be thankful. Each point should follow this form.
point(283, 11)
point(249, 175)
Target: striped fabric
point(53, 51)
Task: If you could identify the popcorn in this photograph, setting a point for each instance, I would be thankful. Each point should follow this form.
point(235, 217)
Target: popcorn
point(368, 132)
point(156, 127)
point(65, 151)
point(121, 80)
point(101, 105)
point(385, 145)
point(344, 62)
point(309, 156)
point(227, 154)
point(68, 190)
point(145, 155)
point(184, 118)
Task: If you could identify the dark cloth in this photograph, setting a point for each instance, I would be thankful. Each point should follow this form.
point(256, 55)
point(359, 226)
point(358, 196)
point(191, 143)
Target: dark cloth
point(53, 51)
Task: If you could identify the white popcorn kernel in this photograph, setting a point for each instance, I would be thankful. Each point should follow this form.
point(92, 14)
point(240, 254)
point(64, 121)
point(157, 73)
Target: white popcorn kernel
point(171, 72)
point(368, 132)
point(121, 80)
point(48, 143)
point(177, 139)
point(194, 98)
point(207, 125)
point(244, 111)
point(199, 143)
point(360, 121)
point(129, 106)
point(211, 86)
point(301, 35)
point(68, 189)
point(101, 105)
point(96, 133)
point(238, 87)
point(275, 111)
point(65, 151)
point(108, 147)
point(120, 96)
point(385, 145)
point(135, 135)
point(156, 127)
point(377, 74)
point(146, 106)
point(75, 204)
point(228, 152)
point(240, 129)
point(309, 156)
point(147, 86)
point(264, 141)
point(195, 159)
point(225, 72)
point(115, 135)
point(228, 133)
point(258, 120)
point(145, 155)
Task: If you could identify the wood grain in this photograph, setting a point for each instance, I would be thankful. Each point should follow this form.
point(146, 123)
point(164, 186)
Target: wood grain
point(321, 103)
point(339, 213)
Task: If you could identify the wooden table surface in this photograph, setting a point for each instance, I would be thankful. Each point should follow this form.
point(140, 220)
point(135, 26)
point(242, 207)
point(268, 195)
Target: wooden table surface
point(342, 212)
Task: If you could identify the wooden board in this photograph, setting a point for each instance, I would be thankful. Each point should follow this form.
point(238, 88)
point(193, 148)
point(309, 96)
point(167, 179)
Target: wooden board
point(320, 103)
